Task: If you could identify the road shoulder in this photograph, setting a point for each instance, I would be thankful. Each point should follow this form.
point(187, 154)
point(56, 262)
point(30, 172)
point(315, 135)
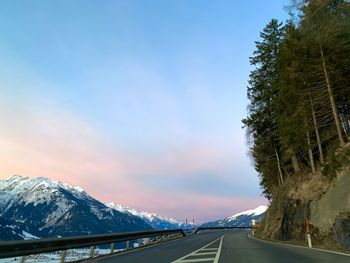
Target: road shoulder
point(304, 247)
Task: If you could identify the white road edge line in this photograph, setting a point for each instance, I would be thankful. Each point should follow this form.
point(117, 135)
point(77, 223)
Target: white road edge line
point(289, 245)
point(188, 255)
point(216, 260)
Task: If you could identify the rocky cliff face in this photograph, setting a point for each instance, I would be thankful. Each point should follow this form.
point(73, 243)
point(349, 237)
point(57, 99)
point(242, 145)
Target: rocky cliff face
point(330, 215)
point(324, 202)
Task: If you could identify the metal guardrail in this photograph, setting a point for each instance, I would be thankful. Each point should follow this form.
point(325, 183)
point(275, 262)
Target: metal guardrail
point(32, 247)
point(222, 228)
point(24, 248)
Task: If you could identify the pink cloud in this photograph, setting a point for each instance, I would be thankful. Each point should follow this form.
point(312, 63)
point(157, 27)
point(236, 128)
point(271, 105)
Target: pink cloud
point(179, 161)
point(60, 146)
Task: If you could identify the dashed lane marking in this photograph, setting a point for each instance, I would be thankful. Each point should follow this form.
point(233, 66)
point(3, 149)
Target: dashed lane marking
point(207, 254)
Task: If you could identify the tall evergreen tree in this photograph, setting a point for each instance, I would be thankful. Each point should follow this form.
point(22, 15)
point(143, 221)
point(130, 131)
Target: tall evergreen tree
point(262, 91)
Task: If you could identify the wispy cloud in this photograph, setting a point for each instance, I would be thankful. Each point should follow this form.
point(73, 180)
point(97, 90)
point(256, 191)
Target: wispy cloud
point(128, 134)
point(179, 181)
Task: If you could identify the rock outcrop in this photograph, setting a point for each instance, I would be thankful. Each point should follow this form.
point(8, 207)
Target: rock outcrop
point(323, 202)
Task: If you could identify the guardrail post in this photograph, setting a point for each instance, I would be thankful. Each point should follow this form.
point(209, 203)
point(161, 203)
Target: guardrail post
point(112, 248)
point(127, 245)
point(183, 233)
point(23, 259)
point(63, 256)
point(309, 240)
point(308, 233)
point(92, 250)
point(253, 227)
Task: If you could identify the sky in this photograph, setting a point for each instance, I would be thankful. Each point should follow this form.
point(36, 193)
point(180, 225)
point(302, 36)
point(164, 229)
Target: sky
point(137, 102)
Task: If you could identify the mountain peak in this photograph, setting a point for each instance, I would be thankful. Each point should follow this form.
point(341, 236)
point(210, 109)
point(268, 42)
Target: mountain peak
point(240, 219)
point(17, 176)
point(252, 212)
point(25, 182)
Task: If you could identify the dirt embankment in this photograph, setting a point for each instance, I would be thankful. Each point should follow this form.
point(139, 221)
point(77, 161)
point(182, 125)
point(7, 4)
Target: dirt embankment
point(323, 201)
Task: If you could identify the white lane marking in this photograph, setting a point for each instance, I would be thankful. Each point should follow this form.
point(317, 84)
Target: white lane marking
point(209, 249)
point(196, 260)
point(289, 245)
point(178, 260)
point(216, 260)
point(204, 253)
point(198, 251)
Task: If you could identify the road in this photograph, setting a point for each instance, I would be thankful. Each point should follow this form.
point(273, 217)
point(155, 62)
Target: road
point(223, 246)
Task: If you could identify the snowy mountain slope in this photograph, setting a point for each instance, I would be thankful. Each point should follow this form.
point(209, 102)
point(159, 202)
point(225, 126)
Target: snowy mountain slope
point(154, 220)
point(10, 230)
point(45, 208)
point(240, 219)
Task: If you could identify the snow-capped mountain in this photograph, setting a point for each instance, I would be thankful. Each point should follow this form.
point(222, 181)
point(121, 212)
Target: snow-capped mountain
point(154, 220)
point(44, 208)
point(241, 219)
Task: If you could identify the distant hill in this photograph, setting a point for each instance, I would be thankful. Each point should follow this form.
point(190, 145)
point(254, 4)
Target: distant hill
point(241, 219)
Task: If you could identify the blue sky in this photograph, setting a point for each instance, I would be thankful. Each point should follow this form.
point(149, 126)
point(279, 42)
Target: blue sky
point(133, 100)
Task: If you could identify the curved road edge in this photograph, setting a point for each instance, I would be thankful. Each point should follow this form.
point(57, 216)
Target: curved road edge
point(291, 245)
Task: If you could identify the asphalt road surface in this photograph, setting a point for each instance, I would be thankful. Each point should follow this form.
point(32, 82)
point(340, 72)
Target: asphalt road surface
point(223, 246)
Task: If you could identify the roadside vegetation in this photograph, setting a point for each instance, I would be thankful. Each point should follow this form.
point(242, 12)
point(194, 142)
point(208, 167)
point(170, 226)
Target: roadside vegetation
point(299, 92)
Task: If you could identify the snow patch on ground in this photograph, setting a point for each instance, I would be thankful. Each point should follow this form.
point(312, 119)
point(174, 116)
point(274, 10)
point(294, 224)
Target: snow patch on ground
point(54, 257)
point(28, 236)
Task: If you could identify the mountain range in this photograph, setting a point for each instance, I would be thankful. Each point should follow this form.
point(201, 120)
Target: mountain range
point(154, 220)
point(44, 208)
point(40, 208)
point(241, 219)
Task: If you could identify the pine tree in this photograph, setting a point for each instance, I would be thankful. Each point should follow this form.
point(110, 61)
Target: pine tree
point(261, 123)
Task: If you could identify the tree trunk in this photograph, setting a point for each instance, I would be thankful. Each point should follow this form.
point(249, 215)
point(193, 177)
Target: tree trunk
point(279, 180)
point(311, 157)
point(331, 98)
point(319, 144)
point(279, 167)
point(295, 163)
point(345, 123)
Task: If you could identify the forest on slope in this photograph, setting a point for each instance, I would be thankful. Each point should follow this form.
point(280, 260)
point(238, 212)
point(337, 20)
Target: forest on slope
point(299, 92)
